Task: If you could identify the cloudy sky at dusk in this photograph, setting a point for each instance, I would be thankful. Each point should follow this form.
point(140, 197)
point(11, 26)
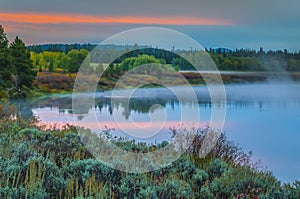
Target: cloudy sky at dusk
point(272, 24)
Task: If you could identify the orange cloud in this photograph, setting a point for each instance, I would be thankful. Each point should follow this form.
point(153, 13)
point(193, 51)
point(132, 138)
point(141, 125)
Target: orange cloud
point(56, 18)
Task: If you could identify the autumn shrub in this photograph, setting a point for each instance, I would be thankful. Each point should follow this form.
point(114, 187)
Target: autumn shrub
point(50, 80)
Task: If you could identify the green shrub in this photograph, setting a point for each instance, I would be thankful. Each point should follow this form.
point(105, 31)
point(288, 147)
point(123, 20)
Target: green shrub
point(216, 168)
point(55, 164)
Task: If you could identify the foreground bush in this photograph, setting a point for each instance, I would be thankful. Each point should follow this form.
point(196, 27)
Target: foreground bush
point(54, 164)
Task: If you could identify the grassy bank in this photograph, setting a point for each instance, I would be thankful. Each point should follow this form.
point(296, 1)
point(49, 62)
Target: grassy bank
point(63, 82)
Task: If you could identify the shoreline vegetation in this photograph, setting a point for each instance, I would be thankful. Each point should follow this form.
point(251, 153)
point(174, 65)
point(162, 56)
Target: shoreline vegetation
point(60, 82)
point(29, 71)
point(42, 162)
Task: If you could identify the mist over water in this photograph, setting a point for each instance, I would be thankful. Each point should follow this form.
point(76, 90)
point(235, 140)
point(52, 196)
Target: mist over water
point(274, 91)
point(271, 127)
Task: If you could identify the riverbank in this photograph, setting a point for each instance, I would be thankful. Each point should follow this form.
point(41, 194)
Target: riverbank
point(61, 82)
point(241, 77)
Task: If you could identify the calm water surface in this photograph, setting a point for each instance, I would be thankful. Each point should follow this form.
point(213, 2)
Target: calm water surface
point(263, 118)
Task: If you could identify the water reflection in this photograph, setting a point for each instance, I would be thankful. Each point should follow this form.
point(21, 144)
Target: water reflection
point(264, 118)
point(238, 98)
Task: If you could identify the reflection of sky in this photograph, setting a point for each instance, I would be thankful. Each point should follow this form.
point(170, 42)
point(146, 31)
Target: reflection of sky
point(260, 117)
point(272, 133)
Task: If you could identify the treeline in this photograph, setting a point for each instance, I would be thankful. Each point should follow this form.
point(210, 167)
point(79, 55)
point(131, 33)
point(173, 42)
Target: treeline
point(103, 60)
point(225, 59)
point(142, 64)
point(19, 64)
point(16, 68)
point(60, 47)
point(52, 61)
point(251, 60)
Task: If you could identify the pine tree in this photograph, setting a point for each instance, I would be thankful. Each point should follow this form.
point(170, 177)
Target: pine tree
point(5, 64)
point(22, 65)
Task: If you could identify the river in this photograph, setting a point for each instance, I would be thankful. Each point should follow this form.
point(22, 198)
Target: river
point(261, 117)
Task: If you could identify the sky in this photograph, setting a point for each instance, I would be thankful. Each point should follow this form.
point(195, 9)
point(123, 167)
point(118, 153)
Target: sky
point(271, 24)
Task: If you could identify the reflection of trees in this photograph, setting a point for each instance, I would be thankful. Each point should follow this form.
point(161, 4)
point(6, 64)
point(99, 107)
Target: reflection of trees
point(140, 105)
point(62, 103)
point(24, 107)
point(143, 105)
point(128, 106)
point(26, 110)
